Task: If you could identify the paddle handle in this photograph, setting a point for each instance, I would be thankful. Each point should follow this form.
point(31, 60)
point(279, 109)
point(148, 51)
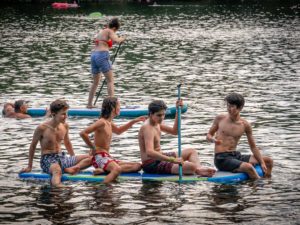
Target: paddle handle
point(179, 131)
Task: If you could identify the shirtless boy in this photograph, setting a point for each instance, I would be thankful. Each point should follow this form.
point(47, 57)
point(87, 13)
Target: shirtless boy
point(103, 129)
point(156, 161)
point(228, 129)
point(51, 134)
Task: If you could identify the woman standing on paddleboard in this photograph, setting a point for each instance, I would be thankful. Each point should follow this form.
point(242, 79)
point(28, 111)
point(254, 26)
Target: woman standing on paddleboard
point(100, 58)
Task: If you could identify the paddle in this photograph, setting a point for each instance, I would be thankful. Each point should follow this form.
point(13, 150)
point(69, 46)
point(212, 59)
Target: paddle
point(112, 62)
point(179, 132)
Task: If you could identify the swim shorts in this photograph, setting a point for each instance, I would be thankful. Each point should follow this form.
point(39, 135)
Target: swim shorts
point(102, 159)
point(61, 158)
point(230, 161)
point(100, 62)
point(157, 166)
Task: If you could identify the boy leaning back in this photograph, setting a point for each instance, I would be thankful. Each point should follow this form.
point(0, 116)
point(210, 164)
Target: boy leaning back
point(51, 134)
point(103, 129)
point(228, 129)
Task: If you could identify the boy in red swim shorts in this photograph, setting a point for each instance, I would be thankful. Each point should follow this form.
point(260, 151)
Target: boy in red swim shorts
point(103, 130)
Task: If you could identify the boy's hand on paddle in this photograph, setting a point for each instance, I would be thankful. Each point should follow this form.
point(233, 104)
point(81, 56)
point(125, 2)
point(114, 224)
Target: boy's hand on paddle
point(178, 161)
point(179, 102)
point(26, 170)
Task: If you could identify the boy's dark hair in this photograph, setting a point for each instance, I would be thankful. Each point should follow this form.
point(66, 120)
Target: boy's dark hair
point(156, 106)
point(108, 105)
point(114, 23)
point(58, 105)
point(18, 105)
point(235, 99)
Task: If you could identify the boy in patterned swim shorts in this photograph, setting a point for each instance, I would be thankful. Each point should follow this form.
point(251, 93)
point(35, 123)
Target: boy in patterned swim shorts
point(103, 129)
point(153, 159)
point(51, 134)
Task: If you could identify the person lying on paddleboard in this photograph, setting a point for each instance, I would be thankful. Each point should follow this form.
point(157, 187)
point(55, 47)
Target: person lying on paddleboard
point(156, 161)
point(103, 129)
point(228, 129)
point(100, 58)
point(51, 134)
point(17, 110)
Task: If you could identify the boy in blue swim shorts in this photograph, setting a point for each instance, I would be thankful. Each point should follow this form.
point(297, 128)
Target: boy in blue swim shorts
point(51, 134)
point(228, 129)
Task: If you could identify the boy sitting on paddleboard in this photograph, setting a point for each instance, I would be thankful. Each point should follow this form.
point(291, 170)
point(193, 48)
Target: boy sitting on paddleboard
point(50, 134)
point(228, 129)
point(156, 161)
point(103, 129)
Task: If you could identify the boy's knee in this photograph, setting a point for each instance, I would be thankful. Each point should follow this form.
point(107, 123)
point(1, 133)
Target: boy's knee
point(268, 161)
point(137, 166)
point(248, 167)
point(116, 169)
point(55, 169)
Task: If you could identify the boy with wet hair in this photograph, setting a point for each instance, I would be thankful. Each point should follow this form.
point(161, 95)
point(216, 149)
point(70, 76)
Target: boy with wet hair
point(103, 129)
point(156, 161)
point(228, 129)
point(51, 134)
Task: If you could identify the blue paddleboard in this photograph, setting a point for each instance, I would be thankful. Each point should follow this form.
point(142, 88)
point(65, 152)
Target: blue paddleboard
point(127, 111)
point(219, 177)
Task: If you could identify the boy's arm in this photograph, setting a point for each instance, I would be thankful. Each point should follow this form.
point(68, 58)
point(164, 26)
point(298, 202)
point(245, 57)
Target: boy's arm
point(149, 147)
point(173, 130)
point(67, 141)
point(252, 145)
point(123, 128)
point(85, 134)
point(35, 139)
point(213, 129)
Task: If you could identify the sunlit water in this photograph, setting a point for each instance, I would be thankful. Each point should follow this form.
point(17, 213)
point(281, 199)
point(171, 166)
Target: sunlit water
point(213, 49)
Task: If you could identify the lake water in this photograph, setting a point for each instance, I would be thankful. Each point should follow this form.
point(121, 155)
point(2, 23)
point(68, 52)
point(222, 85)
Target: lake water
point(213, 49)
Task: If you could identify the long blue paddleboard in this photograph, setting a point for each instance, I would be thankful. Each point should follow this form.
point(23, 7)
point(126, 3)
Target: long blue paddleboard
point(128, 111)
point(219, 177)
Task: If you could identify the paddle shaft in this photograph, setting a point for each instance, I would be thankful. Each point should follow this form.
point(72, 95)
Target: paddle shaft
point(104, 81)
point(179, 132)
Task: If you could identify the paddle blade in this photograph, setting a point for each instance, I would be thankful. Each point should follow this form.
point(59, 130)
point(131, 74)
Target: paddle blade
point(95, 15)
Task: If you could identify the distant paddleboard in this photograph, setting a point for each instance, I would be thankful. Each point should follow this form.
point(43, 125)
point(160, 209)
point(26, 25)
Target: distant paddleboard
point(95, 15)
point(127, 111)
point(62, 5)
point(219, 177)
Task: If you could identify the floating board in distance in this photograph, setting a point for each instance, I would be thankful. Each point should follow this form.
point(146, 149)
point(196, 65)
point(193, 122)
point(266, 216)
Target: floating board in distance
point(96, 15)
point(87, 176)
point(126, 112)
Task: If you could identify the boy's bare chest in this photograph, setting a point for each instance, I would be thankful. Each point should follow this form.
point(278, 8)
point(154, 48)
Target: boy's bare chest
point(233, 129)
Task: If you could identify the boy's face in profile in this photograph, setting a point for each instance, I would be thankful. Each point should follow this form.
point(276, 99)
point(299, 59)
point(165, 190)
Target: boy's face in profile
point(61, 116)
point(159, 116)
